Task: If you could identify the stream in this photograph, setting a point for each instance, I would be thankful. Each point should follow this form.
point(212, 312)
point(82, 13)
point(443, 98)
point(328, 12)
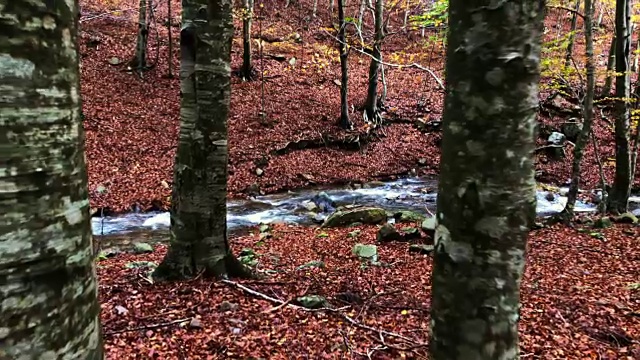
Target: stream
point(404, 194)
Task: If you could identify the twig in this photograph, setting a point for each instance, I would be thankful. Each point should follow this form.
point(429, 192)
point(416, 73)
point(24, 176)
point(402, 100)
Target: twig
point(148, 327)
point(412, 65)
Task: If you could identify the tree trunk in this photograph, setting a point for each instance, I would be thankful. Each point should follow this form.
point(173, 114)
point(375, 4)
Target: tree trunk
point(315, 8)
point(583, 137)
point(143, 33)
point(47, 274)
point(372, 91)
point(572, 36)
point(611, 61)
point(620, 191)
point(363, 6)
point(198, 207)
point(345, 122)
point(169, 23)
point(486, 202)
point(247, 67)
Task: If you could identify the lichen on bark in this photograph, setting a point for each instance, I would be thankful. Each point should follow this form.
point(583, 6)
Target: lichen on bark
point(486, 201)
point(48, 291)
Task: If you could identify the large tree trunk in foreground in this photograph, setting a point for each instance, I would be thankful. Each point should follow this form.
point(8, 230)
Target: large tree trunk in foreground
point(619, 196)
point(583, 137)
point(371, 105)
point(48, 293)
point(486, 201)
point(198, 207)
point(247, 66)
point(345, 122)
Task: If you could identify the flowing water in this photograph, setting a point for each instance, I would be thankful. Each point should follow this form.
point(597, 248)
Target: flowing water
point(415, 194)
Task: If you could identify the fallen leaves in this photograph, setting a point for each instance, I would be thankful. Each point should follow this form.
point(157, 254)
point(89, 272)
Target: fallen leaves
point(575, 304)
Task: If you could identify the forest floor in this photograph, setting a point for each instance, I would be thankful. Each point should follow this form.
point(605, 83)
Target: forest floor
point(580, 299)
point(132, 123)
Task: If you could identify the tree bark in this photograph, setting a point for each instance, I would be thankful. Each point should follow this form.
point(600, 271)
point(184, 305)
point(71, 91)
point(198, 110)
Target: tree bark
point(620, 191)
point(49, 307)
point(247, 67)
point(345, 122)
point(583, 138)
point(143, 33)
point(371, 107)
point(486, 202)
point(198, 209)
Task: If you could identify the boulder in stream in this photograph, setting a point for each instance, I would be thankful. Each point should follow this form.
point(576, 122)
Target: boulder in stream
point(324, 202)
point(364, 215)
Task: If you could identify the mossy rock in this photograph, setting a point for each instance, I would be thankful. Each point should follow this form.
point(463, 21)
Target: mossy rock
point(423, 249)
point(429, 226)
point(142, 248)
point(388, 233)
point(406, 216)
point(603, 223)
point(626, 218)
point(364, 215)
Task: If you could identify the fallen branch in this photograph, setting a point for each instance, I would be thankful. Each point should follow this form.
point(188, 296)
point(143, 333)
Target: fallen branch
point(335, 311)
point(148, 327)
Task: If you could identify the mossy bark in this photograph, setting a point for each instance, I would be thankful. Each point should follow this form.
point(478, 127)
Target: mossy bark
point(48, 292)
point(198, 211)
point(486, 198)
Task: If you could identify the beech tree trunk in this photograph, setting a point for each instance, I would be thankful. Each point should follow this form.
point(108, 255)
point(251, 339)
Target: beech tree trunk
point(198, 207)
point(143, 34)
point(371, 107)
point(345, 122)
point(48, 292)
point(619, 196)
point(247, 67)
point(583, 138)
point(486, 198)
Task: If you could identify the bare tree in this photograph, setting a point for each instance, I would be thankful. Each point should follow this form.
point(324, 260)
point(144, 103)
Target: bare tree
point(345, 122)
point(587, 113)
point(371, 107)
point(198, 202)
point(247, 67)
point(620, 191)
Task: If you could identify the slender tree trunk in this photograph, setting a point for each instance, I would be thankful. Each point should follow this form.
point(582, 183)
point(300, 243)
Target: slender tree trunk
point(48, 307)
point(371, 108)
point(619, 196)
point(143, 33)
point(572, 36)
point(345, 122)
point(247, 67)
point(601, 14)
point(611, 62)
point(486, 201)
point(314, 13)
point(331, 6)
point(405, 19)
point(583, 137)
point(363, 6)
point(169, 22)
point(198, 207)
